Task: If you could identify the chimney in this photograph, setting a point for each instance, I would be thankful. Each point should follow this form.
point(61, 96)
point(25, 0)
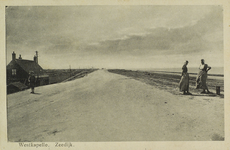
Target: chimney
point(13, 56)
point(20, 57)
point(36, 57)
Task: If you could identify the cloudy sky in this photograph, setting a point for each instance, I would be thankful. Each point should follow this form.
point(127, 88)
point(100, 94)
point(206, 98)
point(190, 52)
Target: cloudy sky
point(116, 36)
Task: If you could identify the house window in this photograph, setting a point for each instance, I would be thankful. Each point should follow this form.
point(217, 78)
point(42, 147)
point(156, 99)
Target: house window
point(13, 72)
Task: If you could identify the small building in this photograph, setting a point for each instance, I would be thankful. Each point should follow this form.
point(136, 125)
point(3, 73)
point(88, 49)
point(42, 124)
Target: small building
point(15, 87)
point(18, 70)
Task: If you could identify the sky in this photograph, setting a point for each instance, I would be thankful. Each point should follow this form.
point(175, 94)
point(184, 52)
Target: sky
point(148, 36)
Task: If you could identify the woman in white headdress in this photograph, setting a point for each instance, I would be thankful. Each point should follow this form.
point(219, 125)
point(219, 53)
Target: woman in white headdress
point(202, 77)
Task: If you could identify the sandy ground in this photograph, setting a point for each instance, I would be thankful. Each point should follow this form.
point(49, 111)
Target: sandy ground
point(109, 107)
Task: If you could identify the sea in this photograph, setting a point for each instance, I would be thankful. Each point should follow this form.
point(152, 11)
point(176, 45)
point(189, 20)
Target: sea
point(213, 71)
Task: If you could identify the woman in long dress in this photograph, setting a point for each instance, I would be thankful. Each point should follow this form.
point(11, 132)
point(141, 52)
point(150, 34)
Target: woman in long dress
point(202, 77)
point(184, 82)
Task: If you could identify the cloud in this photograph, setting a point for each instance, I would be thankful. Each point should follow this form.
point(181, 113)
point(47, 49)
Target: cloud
point(115, 32)
point(199, 37)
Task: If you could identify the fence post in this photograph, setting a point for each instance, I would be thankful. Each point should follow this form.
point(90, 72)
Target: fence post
point(218, 90)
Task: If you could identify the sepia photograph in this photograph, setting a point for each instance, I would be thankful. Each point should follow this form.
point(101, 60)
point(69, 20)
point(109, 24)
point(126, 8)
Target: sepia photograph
point(114, 73)
point(93, 75)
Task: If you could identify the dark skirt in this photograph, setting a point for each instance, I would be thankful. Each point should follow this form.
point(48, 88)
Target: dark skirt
point(32, 85)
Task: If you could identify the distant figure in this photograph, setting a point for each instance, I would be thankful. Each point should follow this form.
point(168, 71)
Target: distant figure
point(202, 77)
point(184, 82)
point(32, 81)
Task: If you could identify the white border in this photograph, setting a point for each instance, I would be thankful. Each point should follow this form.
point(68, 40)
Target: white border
point(154, 145)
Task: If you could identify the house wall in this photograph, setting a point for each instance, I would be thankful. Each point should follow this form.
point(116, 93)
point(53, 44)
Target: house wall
point(21, 75)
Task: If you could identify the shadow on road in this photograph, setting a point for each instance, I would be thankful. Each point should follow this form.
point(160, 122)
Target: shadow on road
point(36, 93)
point(203, 95)
point(212, 95)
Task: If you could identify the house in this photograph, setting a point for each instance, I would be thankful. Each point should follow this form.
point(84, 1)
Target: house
point(18, 70)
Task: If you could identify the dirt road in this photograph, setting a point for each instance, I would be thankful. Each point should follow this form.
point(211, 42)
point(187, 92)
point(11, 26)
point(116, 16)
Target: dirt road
point(108, 107)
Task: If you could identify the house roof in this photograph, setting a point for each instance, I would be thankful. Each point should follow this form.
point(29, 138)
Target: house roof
point(19, 85)
point(29, 65)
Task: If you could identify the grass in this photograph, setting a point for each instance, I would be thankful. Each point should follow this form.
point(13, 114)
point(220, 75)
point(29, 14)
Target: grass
point(59, 75)
point(168, 82)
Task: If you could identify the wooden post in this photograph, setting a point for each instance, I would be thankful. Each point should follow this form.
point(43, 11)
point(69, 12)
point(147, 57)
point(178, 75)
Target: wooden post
point(218, 90)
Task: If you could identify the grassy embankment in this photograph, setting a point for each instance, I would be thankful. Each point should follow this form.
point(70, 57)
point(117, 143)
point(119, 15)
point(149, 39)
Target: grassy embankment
point(59, 75)
point(168, 82)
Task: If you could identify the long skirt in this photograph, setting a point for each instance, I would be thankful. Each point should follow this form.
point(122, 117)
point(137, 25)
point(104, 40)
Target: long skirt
point(201, 80)
point(184, 82)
